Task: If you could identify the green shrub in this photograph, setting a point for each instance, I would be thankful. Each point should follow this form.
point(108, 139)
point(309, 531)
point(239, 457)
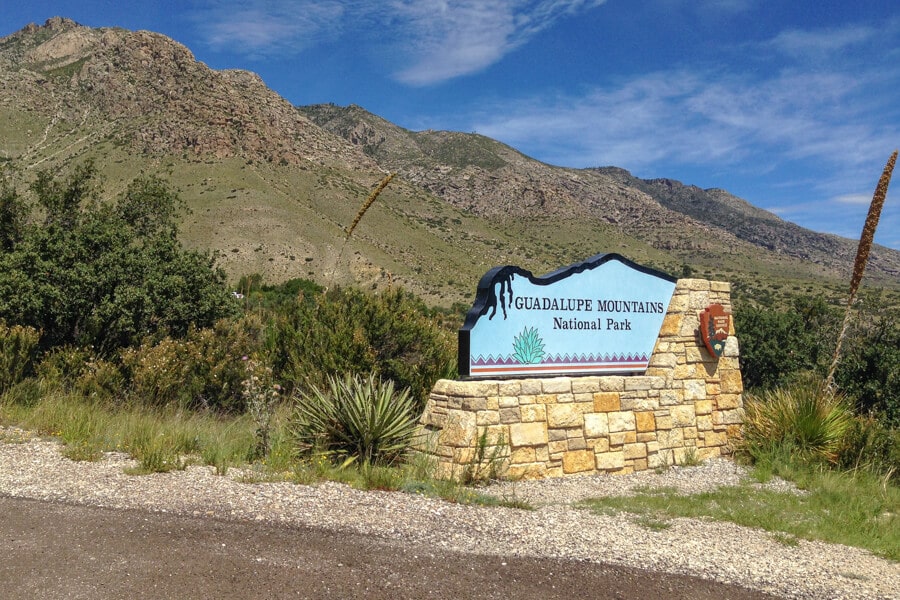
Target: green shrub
point(18, 347)
point(802, 419)
point(870, 445)
point(355, 416)
point(345, 330)
point(204, 370)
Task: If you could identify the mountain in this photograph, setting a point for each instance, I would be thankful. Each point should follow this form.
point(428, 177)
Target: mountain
point(272, 187)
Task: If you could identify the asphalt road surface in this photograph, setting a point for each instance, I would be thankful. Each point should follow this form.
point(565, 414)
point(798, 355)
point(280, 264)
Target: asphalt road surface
point(52, 550)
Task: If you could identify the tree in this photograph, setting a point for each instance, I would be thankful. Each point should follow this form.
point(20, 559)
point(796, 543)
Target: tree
point(90, 276)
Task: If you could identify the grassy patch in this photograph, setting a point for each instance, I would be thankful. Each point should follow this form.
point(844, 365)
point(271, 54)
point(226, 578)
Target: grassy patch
point(856, 509)
point(163, 440)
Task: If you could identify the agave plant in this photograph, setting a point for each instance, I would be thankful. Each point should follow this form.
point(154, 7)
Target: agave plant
point(355, 417)
point(528, 347)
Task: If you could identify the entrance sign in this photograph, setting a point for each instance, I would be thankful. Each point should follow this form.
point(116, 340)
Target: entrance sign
point(714, 326)
point(602, 315)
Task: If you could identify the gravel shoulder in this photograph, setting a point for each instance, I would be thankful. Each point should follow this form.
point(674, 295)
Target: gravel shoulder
point(33, 468)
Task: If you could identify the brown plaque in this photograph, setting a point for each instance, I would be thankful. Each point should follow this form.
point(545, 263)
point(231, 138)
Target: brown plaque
point(714, 326)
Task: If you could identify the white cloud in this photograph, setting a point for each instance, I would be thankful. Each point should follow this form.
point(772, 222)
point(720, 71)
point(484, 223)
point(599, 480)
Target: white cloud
point(260, 28)
point(443, 40)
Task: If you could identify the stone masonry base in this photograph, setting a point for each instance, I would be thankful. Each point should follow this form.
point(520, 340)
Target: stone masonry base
point(687, 406)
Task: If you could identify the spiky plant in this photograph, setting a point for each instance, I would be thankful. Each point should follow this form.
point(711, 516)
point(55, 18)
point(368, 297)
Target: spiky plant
point(355, 416)
point(804, 420)
point(862, 257)
point(528, 347)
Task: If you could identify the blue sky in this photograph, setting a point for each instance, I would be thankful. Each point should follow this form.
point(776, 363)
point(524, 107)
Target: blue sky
point(793, 106)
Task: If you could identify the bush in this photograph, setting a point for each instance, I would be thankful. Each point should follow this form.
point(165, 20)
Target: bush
point(390, 335)
point(871, 446)
point(803, 420)
point(202, 371)
point(355, 417)
point(105, 276)
point(18, 347)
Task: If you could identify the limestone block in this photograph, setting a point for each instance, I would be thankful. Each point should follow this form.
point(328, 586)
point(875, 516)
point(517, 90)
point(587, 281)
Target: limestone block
point(704, 422)
point(649, 436)
point(460, 429)
point(533, 412)
point(639, 383)
point(694, 389)
point(674, 438)
point(522, 455)
point(599, 444)
point(487, 417)
point(585, 398)
point(720, 286)
point(541, 454)
point(531, 387)
point(510, 415)
point(646, 403)
point(733, 417)
point(637, 450)
point(683, 415)
point(610, 460)
point(565, 398)
point(663, 359)
point(612, 383)
point(679, 302)
point(545, 399)
point(472, 388)
point(671, 325)
point(558, 447)
point(690, 433)
point(527, 471)
point(663, 421)
point(578, 461)
point(555, 435)
point(621, 421)
point(733, 431)
point(731, 382)
point(732, 348)
point(644, 421)
point(639, 464)
point(526, 399)
point(728, 401)
point(585, 385)
point(577, 443)
point(622, 437)
point(596, 425)
point(508, 401)
point(703, 407)
point(607, 402)
point(671, 397)
point(715, 438)
point(557, 385)
point(564, 415)
point(510, 388)
point(527, 434)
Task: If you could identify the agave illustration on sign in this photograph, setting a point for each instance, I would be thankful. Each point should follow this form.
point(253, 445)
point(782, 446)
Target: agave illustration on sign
point(529, 347)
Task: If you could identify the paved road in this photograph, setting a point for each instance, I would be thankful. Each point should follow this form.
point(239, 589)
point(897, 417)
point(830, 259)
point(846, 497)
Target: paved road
point(51, 550)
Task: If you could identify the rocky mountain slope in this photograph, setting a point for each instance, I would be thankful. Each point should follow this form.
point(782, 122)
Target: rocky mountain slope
point(273, 186)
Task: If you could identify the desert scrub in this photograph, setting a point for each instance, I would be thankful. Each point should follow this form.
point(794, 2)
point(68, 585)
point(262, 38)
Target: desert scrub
point(355, 417)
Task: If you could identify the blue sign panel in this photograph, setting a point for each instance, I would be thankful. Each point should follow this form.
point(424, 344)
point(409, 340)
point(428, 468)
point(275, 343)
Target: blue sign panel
point(602, 315)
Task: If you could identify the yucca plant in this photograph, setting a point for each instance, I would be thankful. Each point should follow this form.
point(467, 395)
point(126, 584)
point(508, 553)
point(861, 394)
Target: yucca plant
point(355, 417)
point(804, 419)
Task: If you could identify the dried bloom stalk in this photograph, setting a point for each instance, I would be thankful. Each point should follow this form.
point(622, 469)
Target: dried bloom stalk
point(862, 257)
point(369, 201)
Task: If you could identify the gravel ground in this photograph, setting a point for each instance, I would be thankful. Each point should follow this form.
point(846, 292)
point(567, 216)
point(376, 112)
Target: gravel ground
point(33, 468)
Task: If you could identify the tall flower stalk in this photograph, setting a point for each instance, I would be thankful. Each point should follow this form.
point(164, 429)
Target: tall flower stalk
point(862, 257)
